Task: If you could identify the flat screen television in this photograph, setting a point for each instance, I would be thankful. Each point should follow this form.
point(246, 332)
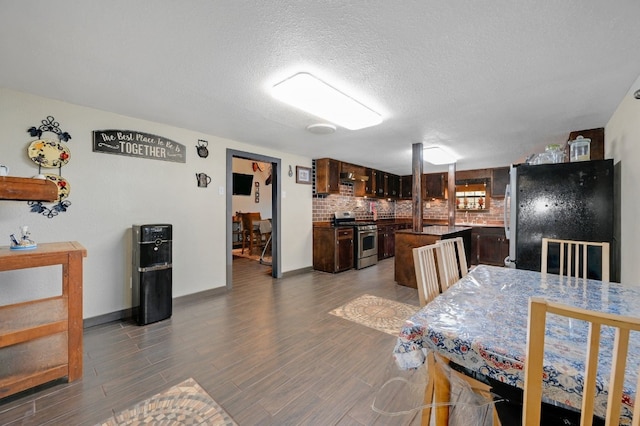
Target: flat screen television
point(242, 184)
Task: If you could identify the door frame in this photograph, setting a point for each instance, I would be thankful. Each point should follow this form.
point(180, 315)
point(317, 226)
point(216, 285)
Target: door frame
point(276, 175)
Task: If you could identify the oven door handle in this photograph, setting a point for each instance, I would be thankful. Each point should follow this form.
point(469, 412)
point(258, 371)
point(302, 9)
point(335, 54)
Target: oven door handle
point(367, 233)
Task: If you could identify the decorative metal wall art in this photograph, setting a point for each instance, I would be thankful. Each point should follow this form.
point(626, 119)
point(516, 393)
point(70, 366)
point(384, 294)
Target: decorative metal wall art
point(203, 180)
point(201, 148)
point(50, 154)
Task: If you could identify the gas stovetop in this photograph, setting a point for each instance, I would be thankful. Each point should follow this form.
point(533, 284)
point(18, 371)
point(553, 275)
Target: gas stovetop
point(354, 223)
point(348, 218)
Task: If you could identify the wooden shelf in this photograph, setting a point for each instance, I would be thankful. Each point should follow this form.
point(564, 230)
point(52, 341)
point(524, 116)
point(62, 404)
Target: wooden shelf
point(27, 189)
point(41, 340)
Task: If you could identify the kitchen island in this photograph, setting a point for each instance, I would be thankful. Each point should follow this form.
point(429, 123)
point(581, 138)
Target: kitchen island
point(407, 240)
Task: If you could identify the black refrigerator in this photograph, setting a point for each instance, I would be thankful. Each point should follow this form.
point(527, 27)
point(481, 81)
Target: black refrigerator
point(573, 201)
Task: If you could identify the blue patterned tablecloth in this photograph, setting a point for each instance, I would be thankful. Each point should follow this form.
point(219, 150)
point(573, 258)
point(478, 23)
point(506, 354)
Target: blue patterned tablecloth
point(481, 323)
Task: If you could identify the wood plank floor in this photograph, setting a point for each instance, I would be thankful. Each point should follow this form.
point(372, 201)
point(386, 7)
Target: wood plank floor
point(267, 351)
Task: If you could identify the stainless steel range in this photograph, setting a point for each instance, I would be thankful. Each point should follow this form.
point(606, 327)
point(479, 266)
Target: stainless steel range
point(365, 244)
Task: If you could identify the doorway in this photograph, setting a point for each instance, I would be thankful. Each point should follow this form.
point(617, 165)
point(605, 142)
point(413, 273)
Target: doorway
point(275, 179)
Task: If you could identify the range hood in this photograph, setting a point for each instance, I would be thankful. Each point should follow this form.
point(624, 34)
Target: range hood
point(351, 177)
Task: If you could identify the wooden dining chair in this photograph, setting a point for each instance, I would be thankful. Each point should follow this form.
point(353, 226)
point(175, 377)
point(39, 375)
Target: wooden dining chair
point(538, 309)
point(452, 261)
point(574, 260)
point(424, 261)
point(250, 232)
point(437, 389)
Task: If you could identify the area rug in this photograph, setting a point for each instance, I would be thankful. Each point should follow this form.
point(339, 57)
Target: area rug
point(375, 312)
point(246, 254)
point(183, 404)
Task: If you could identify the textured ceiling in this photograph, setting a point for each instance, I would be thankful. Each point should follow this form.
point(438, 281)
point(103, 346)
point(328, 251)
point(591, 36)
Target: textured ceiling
point(493, 81)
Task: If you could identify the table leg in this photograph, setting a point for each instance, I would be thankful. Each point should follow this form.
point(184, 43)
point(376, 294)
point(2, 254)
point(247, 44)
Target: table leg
point(442, 390)
point(430, 364)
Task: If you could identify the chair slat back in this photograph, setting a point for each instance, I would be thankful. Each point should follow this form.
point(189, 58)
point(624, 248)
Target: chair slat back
point(452, 261)
point(538, 309)
point(424, 261)
point(574, 261)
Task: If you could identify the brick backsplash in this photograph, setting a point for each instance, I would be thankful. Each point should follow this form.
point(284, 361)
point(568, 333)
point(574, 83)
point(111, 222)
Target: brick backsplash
point(325, 205)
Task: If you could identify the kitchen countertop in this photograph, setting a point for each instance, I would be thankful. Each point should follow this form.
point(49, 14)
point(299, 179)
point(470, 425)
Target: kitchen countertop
point(483, 225)
point(436, 230)
point(426, 223)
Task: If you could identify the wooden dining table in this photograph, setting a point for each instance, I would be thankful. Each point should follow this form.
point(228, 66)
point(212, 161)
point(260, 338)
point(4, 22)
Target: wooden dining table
point(480, 323)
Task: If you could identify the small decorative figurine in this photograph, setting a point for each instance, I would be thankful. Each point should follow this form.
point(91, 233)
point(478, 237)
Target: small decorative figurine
point(25, 242)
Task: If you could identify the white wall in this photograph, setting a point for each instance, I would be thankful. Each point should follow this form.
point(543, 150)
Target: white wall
point(109, 193)
point(622, 143)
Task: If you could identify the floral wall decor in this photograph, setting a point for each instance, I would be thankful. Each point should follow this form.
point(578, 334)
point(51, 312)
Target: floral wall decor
point(50, 154)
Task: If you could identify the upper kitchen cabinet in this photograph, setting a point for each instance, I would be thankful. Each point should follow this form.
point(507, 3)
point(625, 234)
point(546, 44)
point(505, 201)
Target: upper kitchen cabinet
point(406, 187)
point(370, 184)
point(596, 147)
point(434, 185)
point(356, 175)
point(499, 181)
point(327, 172)
point(381, 184)
point(351, 172)
point(473, 176)
point(393, 186)
point(387, 185)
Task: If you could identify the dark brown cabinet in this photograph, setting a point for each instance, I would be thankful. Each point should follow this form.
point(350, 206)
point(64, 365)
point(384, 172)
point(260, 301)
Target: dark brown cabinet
point(327, 173)
point(406, 187)
point(386, 241)
point(393, 186)
point(370, 184)
point(489, 246)
point(596, 146)
point(381, 184)
point(499, 181)
point(387, 185)
point(434, 185)
point(332, 248)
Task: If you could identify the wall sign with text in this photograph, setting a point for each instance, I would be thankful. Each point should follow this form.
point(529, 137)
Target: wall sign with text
point(138, 144)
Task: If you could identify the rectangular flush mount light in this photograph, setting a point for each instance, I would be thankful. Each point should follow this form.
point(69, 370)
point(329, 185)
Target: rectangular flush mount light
point(438, 155)
point(314, 96)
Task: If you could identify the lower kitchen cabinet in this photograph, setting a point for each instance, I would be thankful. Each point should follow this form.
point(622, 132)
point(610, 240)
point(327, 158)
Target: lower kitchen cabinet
point(332, 248)
point(489, 246)
point(386, 241)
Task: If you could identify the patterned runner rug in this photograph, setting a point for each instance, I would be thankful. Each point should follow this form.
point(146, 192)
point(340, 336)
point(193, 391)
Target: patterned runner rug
point(183, 404)
point(375, 312)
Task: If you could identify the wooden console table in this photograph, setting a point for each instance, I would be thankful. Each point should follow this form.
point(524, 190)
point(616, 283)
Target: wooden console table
point(41, 340)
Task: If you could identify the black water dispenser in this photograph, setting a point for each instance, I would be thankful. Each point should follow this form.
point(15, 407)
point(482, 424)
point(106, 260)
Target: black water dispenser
point(152, 273)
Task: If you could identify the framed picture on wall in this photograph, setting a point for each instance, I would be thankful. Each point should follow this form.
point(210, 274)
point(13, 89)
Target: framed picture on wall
point(303, 175)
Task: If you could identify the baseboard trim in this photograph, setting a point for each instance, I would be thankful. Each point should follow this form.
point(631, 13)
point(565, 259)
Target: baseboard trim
point(128, 313)
point(182, 300)
point(300, 271)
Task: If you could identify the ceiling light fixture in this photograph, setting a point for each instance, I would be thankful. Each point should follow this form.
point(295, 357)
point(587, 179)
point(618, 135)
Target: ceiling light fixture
point(314, 96)
point(438, 155)
point(321, 128)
